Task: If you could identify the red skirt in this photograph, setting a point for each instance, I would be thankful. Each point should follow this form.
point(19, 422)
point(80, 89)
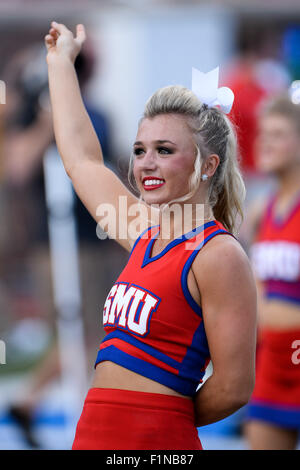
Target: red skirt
point(276, 395)
point(127, 420)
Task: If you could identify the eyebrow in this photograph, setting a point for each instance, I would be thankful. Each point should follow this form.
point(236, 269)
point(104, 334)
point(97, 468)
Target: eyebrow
point(156, 141)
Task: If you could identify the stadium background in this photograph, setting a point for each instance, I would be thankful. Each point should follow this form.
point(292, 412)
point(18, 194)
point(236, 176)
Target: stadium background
point(54, 271)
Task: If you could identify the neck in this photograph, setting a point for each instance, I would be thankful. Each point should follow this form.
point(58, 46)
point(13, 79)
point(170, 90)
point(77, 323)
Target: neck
point(178, 219)
point(289, 182)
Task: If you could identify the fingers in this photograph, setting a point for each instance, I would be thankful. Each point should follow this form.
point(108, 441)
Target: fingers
point(51, 38)
point(50, 41)
point(60, 28)
point(80, 33)
point(70, 43)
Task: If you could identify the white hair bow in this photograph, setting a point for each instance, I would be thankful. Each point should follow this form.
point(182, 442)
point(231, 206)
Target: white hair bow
point(205, 87)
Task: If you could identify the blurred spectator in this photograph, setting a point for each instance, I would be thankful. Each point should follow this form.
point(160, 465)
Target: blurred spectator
point(255, 74)
point(25, 252)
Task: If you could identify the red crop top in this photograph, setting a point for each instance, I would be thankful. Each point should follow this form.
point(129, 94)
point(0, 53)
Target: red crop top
point(154, 326)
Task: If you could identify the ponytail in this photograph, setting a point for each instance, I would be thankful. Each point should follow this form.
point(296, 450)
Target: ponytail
point(227, 187)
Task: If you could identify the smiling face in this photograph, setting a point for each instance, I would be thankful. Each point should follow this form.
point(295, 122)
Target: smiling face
point(164, 156)
point(278, 144)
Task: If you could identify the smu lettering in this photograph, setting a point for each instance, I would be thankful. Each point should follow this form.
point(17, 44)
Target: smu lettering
point(129, 307)
point(276, 260)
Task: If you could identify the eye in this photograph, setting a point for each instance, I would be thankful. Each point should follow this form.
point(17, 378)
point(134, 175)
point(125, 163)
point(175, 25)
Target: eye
point(138, 151)
point(164, 150)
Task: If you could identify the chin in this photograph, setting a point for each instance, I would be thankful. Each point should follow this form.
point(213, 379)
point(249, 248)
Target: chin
point(153, 200)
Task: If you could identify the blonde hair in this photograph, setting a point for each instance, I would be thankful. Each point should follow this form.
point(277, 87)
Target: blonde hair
point(213, 133)
point(283, 105)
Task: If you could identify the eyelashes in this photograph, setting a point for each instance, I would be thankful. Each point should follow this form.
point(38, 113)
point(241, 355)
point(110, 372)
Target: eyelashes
point(138, 151)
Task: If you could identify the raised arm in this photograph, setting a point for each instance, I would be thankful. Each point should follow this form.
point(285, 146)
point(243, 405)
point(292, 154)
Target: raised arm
point(228, 298)
point(100, 190)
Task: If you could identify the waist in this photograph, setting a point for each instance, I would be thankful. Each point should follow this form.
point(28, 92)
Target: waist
point(276, 312)
point(109, 375)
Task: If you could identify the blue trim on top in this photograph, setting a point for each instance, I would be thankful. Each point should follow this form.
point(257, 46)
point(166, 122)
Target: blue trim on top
point(192, 303)
point(142, 346)
point(175, 242)
point(140, 236)
point(196, 356)
point(180, 384)
point(198, 351)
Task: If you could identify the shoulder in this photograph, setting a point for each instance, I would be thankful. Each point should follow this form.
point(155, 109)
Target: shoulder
point(222, 260)
point(225, 281)
point(223, 247)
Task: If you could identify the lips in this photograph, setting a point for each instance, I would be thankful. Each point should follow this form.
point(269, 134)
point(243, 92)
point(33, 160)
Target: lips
point(152, 182)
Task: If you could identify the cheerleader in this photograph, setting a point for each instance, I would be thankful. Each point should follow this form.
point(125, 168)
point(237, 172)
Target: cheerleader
point(182, 299)
point(274, 410)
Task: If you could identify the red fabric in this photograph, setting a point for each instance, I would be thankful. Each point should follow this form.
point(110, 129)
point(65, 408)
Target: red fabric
point(248, 96)
point(127, 420)
point(157, 330)
point(277, 375)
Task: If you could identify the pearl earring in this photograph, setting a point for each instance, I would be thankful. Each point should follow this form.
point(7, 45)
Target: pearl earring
point(204, 177)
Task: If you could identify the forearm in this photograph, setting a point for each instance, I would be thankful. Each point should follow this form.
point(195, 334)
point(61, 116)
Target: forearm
point(23, 151)
point(74, 133)
point(214, 402)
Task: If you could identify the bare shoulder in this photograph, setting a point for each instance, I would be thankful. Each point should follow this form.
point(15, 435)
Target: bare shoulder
point(224, 258)
point(224, 248)
point(225, 281)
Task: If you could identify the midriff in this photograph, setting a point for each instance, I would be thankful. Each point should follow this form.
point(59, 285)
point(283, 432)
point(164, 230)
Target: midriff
point(279, 314)
point(111, 375)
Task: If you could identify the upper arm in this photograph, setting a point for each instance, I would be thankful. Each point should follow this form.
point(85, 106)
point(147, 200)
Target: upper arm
point(118, 211)
point(228, 297)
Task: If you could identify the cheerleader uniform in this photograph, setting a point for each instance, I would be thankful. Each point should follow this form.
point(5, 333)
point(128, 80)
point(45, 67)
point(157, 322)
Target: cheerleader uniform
point(155, 328)
point(276, 261)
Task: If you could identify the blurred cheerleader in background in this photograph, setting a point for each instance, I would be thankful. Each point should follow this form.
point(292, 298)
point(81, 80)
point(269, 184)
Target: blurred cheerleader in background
point(274, 410)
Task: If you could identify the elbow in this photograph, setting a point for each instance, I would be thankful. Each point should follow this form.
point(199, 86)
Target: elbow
point(237, 390)
point(240, 394)
point(72, 169)
point(239, 400)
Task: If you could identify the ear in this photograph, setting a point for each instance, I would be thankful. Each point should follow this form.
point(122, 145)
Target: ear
point(211, 164)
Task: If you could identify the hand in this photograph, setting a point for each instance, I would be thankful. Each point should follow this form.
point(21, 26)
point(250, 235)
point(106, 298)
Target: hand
point(60, 41)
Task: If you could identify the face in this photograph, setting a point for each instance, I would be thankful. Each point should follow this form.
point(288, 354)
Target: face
point(164, 156)
point(278, 144)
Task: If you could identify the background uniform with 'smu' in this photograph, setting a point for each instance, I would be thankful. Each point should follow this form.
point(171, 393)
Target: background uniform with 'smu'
point(276, 260)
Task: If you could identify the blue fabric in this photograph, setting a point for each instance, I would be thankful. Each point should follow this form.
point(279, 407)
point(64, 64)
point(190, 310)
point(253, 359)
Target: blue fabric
point(278, 414)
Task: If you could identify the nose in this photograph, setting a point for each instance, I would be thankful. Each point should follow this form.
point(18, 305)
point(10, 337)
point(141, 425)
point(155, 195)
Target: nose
point(149, 161)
